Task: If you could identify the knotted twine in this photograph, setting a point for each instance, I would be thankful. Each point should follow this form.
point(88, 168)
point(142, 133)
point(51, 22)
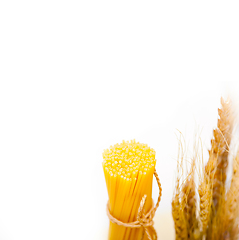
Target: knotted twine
point(143, 220)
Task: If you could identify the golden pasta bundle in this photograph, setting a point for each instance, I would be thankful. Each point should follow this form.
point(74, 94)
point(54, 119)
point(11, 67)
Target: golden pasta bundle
point(128, 169)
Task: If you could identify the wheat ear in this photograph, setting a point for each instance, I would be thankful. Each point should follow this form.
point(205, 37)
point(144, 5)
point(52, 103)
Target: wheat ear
point(180, 224)
point(179, 219)
point(216, 170)
point(189, 196)
point(218, 155)
point(205, 196)
point(232, 201)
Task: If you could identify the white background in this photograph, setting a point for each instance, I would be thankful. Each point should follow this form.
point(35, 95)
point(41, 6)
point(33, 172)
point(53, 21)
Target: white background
point(79, 76)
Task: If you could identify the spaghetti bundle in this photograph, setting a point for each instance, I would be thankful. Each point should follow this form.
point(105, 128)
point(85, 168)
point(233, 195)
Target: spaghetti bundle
point(128, 169)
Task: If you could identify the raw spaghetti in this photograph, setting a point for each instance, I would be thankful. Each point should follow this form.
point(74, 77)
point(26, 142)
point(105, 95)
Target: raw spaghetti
point(129, 168)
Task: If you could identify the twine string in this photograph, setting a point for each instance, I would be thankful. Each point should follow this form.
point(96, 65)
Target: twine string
point(143, 220)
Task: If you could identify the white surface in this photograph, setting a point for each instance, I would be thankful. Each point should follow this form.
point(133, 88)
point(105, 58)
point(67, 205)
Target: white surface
point(78, 76)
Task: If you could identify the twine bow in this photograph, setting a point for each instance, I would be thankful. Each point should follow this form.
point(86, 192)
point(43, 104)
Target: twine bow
point(143, 220)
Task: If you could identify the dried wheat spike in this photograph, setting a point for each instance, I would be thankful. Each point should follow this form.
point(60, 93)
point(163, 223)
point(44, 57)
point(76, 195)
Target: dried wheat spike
point(218, 220)
point(218, 155)
point(179, 219)
point(232, 201)
point(189, 196)
point(178, 201)
point(205, 195)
